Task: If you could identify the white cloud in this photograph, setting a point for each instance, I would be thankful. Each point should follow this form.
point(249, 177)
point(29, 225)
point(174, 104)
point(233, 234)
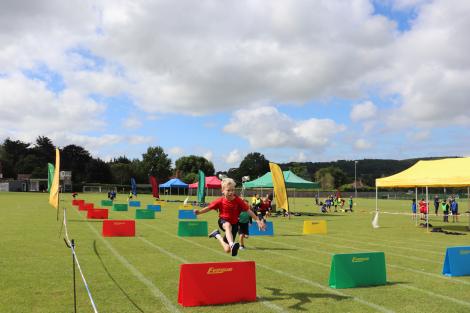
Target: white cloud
point(132, 122)
point(316, 50)
point(275, 129)
point(419, 135)
point(230, 56)
point(233, 157)
point(430, 71)
point(139, 140)
point(300, 157)
point(29, 109)
point(362, 144)
point(176, 151)
point(208, 155)
point(363, 111)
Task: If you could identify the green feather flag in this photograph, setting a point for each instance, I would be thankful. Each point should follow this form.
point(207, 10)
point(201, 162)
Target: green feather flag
point(201, 187)
point(50, 175)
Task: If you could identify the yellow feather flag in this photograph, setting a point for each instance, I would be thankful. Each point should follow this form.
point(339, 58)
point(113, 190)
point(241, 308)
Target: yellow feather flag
point(279, 187)
point(54, 191)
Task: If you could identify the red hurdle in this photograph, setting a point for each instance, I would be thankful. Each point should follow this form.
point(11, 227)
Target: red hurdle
point(97, 214)
point(124, 228)
point(207, 283)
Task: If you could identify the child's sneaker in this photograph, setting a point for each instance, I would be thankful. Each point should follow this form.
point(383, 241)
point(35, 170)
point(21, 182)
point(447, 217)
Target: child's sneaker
point(242, 247)
point(214, 233)
point(235, 248)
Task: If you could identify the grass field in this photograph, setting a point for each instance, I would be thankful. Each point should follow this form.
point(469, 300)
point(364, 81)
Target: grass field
point(141, 274)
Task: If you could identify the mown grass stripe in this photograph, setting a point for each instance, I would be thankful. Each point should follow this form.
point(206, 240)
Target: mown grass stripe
point(293, 277)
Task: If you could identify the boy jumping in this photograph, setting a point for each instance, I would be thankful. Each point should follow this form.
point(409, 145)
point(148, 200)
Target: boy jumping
point(229, 206)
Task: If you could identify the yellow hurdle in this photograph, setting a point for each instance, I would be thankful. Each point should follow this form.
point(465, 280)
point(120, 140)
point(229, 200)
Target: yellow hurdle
point(186, 207)
point(314, 227)
point(161, 203)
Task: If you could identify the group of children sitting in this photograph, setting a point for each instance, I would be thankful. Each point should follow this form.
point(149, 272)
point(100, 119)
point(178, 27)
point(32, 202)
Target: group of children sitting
point(334, 201)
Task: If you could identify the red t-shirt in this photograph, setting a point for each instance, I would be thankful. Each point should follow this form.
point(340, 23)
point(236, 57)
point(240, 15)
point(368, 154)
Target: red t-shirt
point(265, 205)
point(229, 210)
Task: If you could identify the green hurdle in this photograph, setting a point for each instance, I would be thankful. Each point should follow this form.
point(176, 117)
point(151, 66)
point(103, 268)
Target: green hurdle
point(192, 228)
point(120, 207)
point(351, 270)
point(144, 214)
point(106, 203)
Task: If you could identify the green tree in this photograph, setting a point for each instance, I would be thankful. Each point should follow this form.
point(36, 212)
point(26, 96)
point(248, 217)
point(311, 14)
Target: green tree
point(187, 167)
point(138, 171)
point(28, 164)
point(44, 149)
point(254, 165)
point(300, 170)
point(121, 159)
point(98, 171)
point(121, 172)
point(11, 152)
point(330, 177)
point(155, 162)
point(75, 158)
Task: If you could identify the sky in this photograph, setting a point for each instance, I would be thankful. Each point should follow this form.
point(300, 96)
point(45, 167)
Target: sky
point(294, 80)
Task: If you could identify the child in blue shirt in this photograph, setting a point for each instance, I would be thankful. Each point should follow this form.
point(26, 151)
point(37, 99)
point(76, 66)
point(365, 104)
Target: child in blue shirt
point(413, 209)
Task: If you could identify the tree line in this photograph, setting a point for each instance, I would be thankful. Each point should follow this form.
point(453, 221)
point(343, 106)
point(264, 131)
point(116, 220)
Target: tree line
point(18, 157)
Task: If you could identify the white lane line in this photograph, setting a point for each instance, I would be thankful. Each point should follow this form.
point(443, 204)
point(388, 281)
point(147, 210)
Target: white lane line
point(448, 279)
point(291, 276)
point(164, 251)
point(154, 289)
point(436, 295)
point(266, 303)
point(366, 250)
point(383, 245)
point(430, 293)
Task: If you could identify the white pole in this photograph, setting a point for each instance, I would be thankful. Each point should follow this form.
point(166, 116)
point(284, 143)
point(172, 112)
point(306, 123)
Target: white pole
point(355, 182)
point(468, 206)
point(427, 209)
point(376, 198)
point(416, 203)
point(294, 198)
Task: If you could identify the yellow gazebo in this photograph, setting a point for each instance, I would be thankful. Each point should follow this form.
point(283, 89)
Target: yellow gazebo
point(451, 172)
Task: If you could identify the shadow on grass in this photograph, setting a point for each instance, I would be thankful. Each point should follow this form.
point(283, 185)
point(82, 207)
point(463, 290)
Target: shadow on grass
point(114, 281)
point(302, 297)
point(330, 214)
point(393, 283)
point(461, 228)
point(83, 221)
point(273, 249)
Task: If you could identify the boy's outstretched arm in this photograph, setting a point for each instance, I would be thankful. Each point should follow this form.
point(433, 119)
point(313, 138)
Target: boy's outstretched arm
point(201, 211)
point(260, 223)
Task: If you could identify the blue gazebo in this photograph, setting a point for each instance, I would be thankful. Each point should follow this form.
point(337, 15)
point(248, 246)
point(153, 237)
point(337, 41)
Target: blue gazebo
point(174, 183)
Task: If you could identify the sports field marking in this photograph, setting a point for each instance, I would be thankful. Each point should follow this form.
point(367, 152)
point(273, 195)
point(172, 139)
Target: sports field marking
point(447, 298)
point(164, 251)
point(182, 260)
point(407, 242)
point(348, 247)
point(342, 237)
point(293, 277)
point(383, 245)
point(154, 289)
point(448, 279)
point(366, 250)
point(437, 295)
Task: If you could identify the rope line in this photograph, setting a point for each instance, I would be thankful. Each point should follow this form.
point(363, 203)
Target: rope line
point(78, 264)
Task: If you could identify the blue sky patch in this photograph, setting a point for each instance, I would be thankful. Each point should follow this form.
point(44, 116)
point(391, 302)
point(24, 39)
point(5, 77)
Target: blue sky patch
point(53, 80)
